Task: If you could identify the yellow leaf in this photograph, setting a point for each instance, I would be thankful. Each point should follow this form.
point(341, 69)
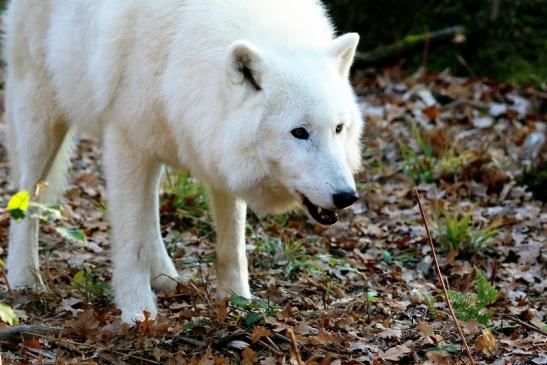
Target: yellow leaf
point(19, 201)
point(486, 343)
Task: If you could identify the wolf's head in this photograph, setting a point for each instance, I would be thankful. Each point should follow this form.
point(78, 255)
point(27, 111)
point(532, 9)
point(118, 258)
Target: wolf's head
point(302, 126)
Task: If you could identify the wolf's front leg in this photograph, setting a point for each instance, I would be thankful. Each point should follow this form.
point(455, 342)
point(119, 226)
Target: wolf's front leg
point(232, 273)
point(132, 183)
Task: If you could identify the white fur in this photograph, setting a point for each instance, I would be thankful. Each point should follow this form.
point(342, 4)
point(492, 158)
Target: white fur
point(160, 82)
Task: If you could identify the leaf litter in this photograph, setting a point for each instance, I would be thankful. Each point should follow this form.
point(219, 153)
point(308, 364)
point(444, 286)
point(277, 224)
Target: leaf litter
point(361, 292)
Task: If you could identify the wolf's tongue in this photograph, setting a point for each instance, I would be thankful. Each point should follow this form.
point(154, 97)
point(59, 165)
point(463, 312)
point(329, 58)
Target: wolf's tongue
point(323, 216)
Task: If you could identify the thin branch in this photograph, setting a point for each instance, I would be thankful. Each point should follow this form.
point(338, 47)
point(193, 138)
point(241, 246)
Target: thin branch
point(524, 324)
point(295, 347)
point(441, 278)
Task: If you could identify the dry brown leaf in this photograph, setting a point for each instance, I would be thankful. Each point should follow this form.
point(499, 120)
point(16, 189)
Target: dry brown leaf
point(249, 357)
point(303, 329)
point(439, 357)
point(425, 329)
point(33, 343)
point(486, 343)
point(222, 310)
point(260, 332)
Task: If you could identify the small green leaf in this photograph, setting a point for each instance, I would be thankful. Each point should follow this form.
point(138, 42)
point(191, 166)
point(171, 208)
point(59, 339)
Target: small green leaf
point(79, 278)
point(76, 235)
point(239, 301)
point(17, 215)
point(372, 296)
point(7, 315)
point(252, 318)
point(448, 347)
point(210, 257)
point(19, 201)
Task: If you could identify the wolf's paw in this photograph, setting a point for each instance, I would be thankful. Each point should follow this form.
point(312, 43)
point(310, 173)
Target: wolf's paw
point(133, 295)
point(134, 311)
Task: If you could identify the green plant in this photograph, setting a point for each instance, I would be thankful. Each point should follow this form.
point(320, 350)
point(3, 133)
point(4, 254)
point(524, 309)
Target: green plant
point(251, 311)
point(399, 260)
point(450, 162)
point(458, 232)
point(419, 166)
point(187, 199)
point(431, 308)
point(187, 194)
point(87, 282)
point(20, 205)
point(474, 306)
point(298, 260)
point(424, 165)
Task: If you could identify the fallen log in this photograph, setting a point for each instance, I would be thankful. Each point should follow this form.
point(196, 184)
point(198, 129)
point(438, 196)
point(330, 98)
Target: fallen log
point(386, 55)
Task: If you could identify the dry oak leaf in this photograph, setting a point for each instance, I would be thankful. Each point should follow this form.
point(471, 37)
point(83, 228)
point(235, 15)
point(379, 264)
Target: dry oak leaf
point(260, 332)
point(486, 343)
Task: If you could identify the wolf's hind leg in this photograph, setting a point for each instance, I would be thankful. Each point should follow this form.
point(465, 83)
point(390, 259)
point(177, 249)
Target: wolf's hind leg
point(232, 272)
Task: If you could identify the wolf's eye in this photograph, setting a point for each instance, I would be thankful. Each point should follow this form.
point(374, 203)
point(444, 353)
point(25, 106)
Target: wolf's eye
point(300, 133)
point(339, 128)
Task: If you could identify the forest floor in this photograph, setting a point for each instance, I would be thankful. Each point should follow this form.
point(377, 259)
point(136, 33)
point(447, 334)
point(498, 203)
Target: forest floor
point(363, 291)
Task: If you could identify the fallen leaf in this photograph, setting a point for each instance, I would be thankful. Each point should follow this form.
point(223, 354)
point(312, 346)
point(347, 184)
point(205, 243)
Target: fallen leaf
point(439, 357)
point(425, 329)
point(390, 333)
point(249, 357)
point(397, 353)
point(486, 343)
point(260, 332)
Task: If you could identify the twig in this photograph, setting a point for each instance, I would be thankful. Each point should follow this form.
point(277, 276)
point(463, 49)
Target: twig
point(273, 348)
point(295, 346)
point(192, 342)
point(14, 333)
point(524, 324)
point(441, 278)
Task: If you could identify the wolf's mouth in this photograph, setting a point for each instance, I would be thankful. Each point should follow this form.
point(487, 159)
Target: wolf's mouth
point(321, 215)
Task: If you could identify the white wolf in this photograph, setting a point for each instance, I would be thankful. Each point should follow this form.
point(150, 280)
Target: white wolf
point(252, 96)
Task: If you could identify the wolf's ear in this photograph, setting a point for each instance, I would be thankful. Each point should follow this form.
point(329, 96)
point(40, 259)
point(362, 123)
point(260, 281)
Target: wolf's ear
point(245, 65)
point(343, 49)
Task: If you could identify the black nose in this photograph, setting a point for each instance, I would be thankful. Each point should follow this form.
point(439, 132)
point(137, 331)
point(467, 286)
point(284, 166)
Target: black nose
point(344, 199)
